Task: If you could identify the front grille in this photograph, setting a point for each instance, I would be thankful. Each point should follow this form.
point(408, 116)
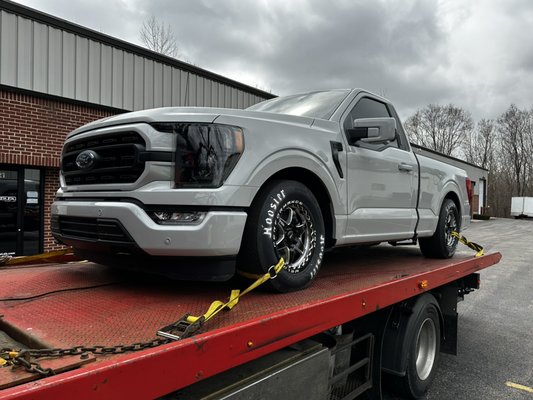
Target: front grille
point(119, 159)
point(92, 229)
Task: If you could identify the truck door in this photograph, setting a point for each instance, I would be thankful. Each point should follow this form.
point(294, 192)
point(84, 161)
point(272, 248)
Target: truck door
point(382, 180)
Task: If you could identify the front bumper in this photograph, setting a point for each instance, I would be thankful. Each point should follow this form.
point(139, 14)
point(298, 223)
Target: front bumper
point(219, 234)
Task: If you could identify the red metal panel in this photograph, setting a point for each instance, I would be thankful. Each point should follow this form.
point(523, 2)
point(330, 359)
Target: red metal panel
point(351, 284)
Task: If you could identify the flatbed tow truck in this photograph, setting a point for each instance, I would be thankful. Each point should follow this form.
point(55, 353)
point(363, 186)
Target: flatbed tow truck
point(366, 313)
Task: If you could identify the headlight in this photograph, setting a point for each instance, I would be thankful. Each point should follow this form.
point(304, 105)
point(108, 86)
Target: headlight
point(205, 153)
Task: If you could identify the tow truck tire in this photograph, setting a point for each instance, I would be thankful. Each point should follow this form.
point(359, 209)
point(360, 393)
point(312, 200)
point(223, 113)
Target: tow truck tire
point(423, 347)
point(442, 244)
point(285, 220)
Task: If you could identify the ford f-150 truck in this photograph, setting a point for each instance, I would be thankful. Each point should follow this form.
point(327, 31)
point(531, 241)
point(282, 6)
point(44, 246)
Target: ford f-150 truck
point(238, 189)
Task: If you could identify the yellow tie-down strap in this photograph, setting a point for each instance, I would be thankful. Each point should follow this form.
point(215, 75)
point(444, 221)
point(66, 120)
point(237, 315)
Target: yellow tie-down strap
point(474, 246)
point(236, 294)
point(187, 325)
point(6, 357)
point(9, 260)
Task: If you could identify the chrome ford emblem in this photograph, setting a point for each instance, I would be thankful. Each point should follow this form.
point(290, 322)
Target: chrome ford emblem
point(86, 159)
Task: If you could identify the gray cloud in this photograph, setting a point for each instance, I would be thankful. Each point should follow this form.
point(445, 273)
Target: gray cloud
point(475, 54)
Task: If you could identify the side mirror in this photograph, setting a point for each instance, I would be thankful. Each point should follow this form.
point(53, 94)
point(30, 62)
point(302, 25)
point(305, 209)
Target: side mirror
point(371, 130)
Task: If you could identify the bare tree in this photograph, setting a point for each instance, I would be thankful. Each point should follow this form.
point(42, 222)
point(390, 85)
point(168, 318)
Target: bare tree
point(479, 147)
point(159, 37)
point(440, 128)
point(529, 150)
point(514, 127)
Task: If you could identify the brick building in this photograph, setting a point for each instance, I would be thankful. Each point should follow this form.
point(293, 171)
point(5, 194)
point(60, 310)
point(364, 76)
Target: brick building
point(56, 76)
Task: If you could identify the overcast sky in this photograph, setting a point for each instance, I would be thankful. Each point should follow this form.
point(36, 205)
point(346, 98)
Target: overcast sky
point(477, 54)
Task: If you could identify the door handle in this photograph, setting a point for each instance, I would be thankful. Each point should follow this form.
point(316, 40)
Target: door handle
point(405, 167)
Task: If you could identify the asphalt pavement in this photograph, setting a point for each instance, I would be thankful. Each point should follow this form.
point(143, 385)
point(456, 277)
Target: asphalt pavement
point(495, 342)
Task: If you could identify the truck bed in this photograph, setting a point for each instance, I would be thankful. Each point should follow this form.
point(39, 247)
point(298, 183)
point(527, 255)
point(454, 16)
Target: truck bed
point(79, 303)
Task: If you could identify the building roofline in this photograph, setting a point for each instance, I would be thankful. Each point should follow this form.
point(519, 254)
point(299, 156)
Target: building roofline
point(445, 156)
point(65, 25)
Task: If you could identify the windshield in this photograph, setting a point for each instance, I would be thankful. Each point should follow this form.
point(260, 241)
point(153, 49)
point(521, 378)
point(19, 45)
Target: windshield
point(314, 104)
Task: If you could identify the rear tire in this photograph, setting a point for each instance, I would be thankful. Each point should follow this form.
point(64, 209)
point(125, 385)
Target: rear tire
point(421, 350)
point(285, 220)
point(442, 244)
point(423, 354)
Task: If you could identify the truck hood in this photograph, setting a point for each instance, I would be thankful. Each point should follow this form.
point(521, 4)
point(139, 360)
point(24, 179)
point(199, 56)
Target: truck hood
point(190, 114)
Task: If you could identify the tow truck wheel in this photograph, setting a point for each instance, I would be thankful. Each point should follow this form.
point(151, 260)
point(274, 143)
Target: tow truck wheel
point(423, 353)
point(421, 350)
point(284, 221)
point(443, 244)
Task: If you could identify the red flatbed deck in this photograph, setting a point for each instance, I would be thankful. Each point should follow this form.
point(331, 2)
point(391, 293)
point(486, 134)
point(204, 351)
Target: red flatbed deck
point(87, 304)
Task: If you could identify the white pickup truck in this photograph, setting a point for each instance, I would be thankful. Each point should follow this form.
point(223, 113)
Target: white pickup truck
point(196, 193)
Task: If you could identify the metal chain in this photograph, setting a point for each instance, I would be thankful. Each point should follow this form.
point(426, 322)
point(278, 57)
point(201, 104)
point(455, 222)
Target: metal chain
point(24, 357)
point(32, 366)
point(178, 330)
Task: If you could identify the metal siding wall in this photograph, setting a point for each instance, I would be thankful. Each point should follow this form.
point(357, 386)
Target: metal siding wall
point(234, 98)
point(220, 100)
point(69, 64)
point(94, 71)
point(138, 82)
point(212, 92)
point(208, 87)
point(128, 81)
point(119, 73)
point(227, 97)
point(55, 61)
point(167, 85)
point(24, 53)
point(40, 57)
point(82, 68)
point(8, 49)
point(192, 90)
point(199, 91)
point(240, 99)
point(106, 75)
point(158, 85)
point(184, 88)
point(148, 87)
point(176, 87)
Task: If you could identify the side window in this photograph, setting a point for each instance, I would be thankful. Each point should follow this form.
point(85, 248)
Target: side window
point(369, 108)
point(401, 137)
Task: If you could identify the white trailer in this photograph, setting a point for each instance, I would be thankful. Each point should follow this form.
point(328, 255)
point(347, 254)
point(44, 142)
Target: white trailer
point(521, 207)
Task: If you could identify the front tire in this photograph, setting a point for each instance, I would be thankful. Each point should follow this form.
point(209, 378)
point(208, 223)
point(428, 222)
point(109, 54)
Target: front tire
point(285, 220)
point(443, 244)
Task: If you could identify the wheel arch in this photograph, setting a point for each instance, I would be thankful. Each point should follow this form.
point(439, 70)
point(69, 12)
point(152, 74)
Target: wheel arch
point(320, 191)
point(453, 196)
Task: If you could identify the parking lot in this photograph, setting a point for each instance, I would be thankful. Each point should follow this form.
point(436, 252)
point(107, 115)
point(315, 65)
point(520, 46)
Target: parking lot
point(495, 350)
